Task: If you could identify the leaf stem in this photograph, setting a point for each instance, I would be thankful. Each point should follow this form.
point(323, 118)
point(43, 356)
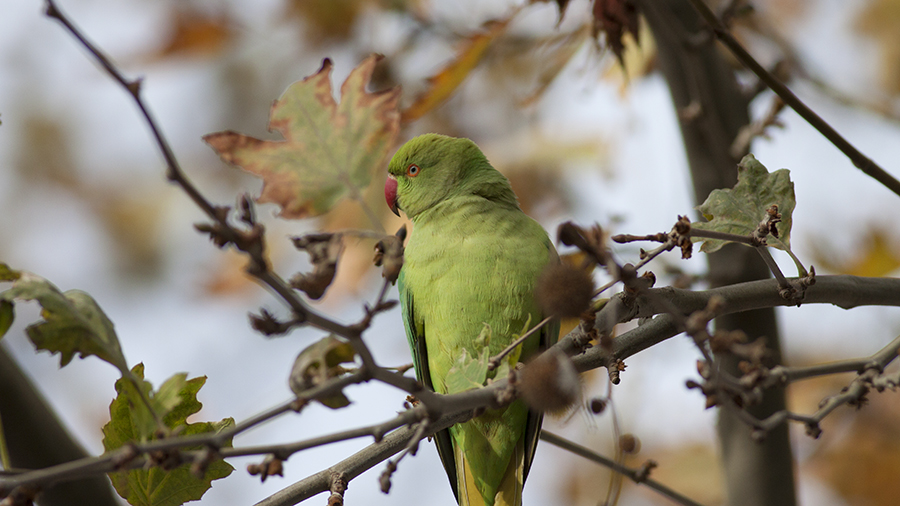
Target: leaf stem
point(773, 266)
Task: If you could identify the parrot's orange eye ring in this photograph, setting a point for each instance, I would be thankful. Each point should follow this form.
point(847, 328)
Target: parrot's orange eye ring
point(413, 170)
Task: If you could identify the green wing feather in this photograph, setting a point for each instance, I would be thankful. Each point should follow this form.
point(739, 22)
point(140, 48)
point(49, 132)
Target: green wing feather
point(549, 336)
point(420, 364)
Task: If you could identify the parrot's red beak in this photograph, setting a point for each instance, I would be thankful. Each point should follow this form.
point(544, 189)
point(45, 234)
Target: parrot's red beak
point(390, 193)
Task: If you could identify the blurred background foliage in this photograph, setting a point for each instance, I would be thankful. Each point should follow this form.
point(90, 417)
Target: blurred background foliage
point(83, 202)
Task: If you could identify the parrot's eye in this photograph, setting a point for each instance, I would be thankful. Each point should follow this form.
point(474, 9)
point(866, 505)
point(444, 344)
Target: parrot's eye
point(412, 170)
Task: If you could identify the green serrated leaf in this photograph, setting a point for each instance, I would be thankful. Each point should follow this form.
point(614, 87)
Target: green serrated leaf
point(739, 210)
point(131, 421)
point(319, 362)
point(8, 274)
point(130, 418)
point(329, 150)
point(7, 315)
point(172, 394)
point(73, 322)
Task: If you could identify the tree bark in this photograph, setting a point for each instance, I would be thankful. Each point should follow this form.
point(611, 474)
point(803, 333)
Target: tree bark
point(711, 110)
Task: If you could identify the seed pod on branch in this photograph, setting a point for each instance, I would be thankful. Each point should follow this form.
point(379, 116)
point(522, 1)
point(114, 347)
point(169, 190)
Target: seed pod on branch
point(549, 382)
point(564, 291)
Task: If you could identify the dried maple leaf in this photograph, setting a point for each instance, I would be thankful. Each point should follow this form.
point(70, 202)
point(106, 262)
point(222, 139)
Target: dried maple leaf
point(329, 150)
point(615, 18)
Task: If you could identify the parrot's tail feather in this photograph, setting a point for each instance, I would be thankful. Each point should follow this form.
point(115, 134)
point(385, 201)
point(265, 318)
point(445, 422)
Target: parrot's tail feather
point(510, 491)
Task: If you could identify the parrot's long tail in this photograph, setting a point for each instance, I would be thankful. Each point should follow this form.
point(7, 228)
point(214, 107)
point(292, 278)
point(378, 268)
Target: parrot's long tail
point(510, 491)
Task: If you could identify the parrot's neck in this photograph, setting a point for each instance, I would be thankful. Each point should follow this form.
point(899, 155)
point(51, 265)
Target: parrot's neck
point(460, 209)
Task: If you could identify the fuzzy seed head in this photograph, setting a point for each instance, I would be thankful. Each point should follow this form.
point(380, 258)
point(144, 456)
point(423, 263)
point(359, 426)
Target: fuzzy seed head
point(564, 291)
point(550, 382)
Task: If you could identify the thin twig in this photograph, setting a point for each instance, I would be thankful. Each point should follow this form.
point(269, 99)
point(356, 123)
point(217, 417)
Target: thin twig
point(411, 448)
point(449, 409)
point(785, 375)
point(605, 287)
point(859, 160)
point(494, 362)
point(848, 291)
point(251, 244)
point(285, 450)
point(648, 256)
point(638, 476)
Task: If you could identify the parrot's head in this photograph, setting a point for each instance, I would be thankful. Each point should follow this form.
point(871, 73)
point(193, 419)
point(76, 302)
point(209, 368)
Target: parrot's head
point(432, 168)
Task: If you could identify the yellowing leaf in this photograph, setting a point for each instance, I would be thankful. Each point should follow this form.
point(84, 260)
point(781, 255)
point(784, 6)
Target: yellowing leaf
point(329, 150)
point(739, 210)
point(877, 257)
point(320, 362)
point(131, 421)
point(8, 274)
point(445, 82)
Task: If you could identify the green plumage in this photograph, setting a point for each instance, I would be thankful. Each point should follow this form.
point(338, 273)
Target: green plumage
point(473, 258)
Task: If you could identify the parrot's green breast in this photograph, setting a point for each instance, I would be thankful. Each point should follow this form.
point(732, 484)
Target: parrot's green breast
point(471, 262)
point(470, 265)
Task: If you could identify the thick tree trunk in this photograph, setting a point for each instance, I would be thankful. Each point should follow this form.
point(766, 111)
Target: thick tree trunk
point(37, 440)
point(712, 110)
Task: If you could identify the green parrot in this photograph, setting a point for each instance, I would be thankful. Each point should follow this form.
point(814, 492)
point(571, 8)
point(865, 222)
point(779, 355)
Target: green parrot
point(471, 264)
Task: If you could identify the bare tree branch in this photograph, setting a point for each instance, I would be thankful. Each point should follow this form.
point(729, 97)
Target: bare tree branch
point(638, 476)
point(862, 162)
point(437, 412)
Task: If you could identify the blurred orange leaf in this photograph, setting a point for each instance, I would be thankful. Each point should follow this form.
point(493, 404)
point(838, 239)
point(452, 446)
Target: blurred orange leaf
point(327, 19)
point(445, 82)
point(880, 19)
point(876, 258)
point(195, 33)
point(329, 151)
point(860, 458)
point(228, 277)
